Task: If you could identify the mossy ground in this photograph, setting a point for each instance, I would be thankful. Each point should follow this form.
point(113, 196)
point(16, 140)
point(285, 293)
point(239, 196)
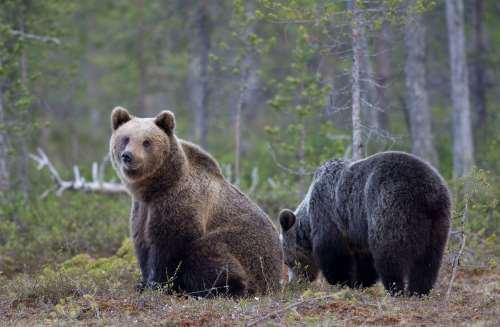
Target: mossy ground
point(88, 291)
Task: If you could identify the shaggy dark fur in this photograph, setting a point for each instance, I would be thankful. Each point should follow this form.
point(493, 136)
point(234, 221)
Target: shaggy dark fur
point(386, 216)
point(189, 225)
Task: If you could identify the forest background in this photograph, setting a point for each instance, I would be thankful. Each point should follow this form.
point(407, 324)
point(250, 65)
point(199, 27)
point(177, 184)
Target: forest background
point(271, 89)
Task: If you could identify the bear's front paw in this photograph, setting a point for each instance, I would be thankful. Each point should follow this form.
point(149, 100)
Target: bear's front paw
point(152, 285)
point(140, 286)
point(157, 286)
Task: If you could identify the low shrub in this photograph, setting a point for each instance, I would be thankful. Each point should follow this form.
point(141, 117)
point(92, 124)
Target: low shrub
point(38, 231)
point(77, 277)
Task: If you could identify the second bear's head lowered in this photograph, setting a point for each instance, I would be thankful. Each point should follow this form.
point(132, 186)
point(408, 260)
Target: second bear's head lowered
point(297, 246)
point(141, 148)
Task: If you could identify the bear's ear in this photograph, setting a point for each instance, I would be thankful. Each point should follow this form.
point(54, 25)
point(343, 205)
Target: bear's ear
point(287, 219)
point(119, 116)
point(166, 121)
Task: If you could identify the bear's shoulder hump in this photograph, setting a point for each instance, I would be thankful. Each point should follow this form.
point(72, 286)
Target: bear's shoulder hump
point(199, 158)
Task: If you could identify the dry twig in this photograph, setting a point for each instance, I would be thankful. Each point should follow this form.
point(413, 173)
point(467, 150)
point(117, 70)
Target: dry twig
point(456, 260)
point(40, 38)
point(79, 183)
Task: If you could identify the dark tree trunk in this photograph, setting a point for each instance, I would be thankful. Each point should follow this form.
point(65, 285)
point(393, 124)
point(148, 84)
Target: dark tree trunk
point(383, 71)
point(4, 171)
point(198, 70)
point(248, 87)
point(480, 86)
point(23, 139)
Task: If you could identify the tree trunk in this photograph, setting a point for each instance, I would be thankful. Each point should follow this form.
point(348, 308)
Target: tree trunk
point(480, 53)
point(248, 87)
point(357, 141)
point(463, 150)
point(198, 70)
point(23, 142)
point(4, 171)
point(417, 102)
point(383, 71)
point(302, 161)
point(370, 105)
point(141, 61)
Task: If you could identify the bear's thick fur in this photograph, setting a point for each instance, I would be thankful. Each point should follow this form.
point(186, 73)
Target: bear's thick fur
point(385, 216)
point(189, 225)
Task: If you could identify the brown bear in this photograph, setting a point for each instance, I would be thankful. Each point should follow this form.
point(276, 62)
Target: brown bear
point(190, 227)
point(386, 216)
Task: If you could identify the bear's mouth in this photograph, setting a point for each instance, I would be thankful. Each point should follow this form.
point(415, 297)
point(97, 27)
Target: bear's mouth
point(131, 171)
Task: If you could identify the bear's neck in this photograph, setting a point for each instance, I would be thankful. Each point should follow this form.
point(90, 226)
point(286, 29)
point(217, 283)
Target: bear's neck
point(303, 226)
point(165, 179)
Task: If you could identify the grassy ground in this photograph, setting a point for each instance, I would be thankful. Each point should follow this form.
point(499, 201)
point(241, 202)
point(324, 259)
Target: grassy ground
point(87, 291)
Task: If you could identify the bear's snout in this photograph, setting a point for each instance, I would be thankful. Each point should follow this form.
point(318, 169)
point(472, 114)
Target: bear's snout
point(127, 157)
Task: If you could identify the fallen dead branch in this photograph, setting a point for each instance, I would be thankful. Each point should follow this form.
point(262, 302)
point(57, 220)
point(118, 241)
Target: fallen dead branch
point(456, 260)
point(97, 185)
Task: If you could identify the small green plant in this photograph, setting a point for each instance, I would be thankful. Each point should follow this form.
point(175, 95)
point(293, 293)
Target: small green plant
point(476, 213)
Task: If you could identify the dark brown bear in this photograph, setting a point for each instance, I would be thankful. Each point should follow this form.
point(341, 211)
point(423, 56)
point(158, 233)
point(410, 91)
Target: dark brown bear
point(189, 225)
point(386, 216)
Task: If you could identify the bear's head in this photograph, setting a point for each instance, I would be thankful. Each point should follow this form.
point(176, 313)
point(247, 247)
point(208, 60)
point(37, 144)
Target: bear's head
point(297, 247)
point(140, 147)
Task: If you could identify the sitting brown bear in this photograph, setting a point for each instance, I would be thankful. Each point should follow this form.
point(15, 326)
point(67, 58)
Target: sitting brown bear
point(189, 225)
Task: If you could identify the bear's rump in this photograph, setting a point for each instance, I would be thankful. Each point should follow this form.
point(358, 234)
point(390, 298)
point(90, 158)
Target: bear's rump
point(399, 222)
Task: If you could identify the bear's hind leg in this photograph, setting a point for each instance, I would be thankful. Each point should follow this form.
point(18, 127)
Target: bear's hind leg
point(394, 284)
point(423, 275)
point(366, 275)
point(335, 261)
point(391, 272)
point(212, 271)
point(425, 269)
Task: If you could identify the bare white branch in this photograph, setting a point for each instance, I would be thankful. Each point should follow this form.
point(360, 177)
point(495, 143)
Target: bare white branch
point(40, 38)
point(97, 185)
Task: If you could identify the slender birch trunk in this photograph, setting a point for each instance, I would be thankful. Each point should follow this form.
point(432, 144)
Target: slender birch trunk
point(479, 64)
point(383, 71)
point(23, 141)
point(419, 113)
point(370, 105)
point(463, 150)
point(4, 171)
point(357, 141)
point(141, 62)
point(248, 87)
point(198, 70)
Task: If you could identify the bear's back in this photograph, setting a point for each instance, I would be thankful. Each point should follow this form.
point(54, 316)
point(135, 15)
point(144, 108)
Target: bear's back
point(353, 190)
point(401, 175)
point(233, 217)
point(200, 160)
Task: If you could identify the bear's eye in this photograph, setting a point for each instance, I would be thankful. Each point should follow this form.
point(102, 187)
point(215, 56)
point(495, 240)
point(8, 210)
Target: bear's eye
point(126, 139)
point(146, 143)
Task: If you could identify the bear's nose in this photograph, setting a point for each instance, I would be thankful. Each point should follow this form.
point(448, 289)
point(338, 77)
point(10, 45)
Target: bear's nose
point(127, 157)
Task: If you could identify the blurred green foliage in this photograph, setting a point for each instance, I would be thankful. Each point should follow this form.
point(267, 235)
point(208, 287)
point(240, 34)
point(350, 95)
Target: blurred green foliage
point(53, 229)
